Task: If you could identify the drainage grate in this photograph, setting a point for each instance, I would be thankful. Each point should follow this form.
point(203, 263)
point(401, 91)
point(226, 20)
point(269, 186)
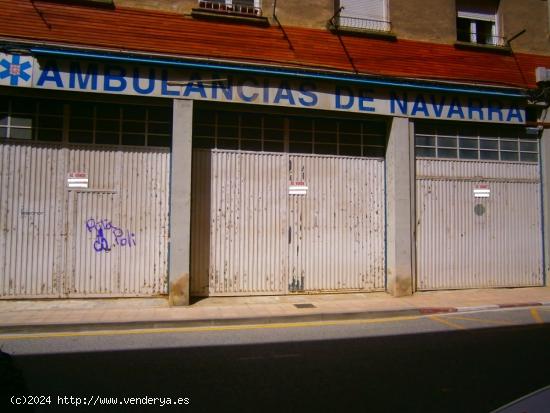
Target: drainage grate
point(307, 305)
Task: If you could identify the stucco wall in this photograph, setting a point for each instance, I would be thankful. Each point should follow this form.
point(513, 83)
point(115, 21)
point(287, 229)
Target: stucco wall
point(178, 6)
point(305, 13)
point(531, 15)
point(430, 20)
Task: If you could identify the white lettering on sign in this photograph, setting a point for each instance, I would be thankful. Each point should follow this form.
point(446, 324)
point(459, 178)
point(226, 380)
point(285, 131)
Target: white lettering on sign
point(139, 80)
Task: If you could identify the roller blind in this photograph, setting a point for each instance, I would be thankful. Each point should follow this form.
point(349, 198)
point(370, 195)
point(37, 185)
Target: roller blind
point(255, 3)
point(477, 10)
point(364, 9)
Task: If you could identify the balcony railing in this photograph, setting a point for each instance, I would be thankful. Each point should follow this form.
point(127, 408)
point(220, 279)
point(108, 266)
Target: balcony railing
point(363, 24)
point(230, 7)
point(482, 39)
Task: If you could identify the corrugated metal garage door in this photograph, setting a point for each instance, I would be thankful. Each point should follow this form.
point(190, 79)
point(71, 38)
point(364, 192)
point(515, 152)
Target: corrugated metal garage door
point(107, 240)
point(239, 231)
point(337, 228)
point(285, 204)
point(250, 236)
point(478, 221)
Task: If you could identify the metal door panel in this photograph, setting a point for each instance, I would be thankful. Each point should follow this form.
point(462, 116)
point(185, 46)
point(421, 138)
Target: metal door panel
point(32, 226)
point(126, 206)
point(200, 221)
point(248, 241)
point(338, 227)
point(94, 249)
point(469, 242)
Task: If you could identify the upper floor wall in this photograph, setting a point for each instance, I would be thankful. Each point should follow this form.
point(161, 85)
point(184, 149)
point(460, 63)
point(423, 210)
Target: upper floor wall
point(531, 15)
point(424, 20)
point(436, 20)
point(176, 6)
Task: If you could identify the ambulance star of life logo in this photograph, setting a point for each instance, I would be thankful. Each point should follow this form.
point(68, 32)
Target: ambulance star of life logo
point(15, 70)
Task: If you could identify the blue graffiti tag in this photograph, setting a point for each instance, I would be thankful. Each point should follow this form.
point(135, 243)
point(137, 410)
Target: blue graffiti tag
point(101, 243)
point(104, 227)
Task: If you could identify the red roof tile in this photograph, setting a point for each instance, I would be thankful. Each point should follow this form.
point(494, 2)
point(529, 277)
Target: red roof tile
point(174, 34)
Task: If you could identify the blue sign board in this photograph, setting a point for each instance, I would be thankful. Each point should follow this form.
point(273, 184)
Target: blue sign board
point(138, 80)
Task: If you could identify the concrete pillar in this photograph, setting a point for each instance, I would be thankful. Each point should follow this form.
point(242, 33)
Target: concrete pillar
point(180, 203)
point(545, 176)
point(400, 208)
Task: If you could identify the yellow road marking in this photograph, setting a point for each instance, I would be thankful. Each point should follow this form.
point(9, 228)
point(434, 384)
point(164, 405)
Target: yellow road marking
point(203, 329)
point(447, 322)
point(480, 320)
point(536, 316)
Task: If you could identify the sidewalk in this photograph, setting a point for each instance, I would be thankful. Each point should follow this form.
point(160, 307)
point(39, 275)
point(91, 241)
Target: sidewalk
point(134, 313)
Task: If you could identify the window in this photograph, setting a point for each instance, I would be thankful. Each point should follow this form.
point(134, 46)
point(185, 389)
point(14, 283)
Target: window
point(294, 134)
point(114, 124)
point(28, 119)
point(477, 22)
point(474, 142)
point(87, 122)
point(364, 14)
point(250, 7)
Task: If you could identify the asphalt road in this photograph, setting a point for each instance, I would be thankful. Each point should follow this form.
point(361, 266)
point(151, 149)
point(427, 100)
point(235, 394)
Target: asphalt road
point(444, 363)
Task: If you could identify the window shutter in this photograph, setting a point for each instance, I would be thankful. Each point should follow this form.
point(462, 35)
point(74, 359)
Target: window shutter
point(477, 10)
point(364, 9)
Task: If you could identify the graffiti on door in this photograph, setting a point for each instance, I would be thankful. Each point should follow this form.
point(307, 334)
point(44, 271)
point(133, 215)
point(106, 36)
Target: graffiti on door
point(108, 235)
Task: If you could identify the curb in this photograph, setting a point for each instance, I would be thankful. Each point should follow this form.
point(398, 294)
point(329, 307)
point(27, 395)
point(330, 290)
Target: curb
point(478, 308)
point(519, 305)
point(237, 321)
point(241, 321)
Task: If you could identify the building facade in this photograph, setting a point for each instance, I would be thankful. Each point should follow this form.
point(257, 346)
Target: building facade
point(197, 148)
